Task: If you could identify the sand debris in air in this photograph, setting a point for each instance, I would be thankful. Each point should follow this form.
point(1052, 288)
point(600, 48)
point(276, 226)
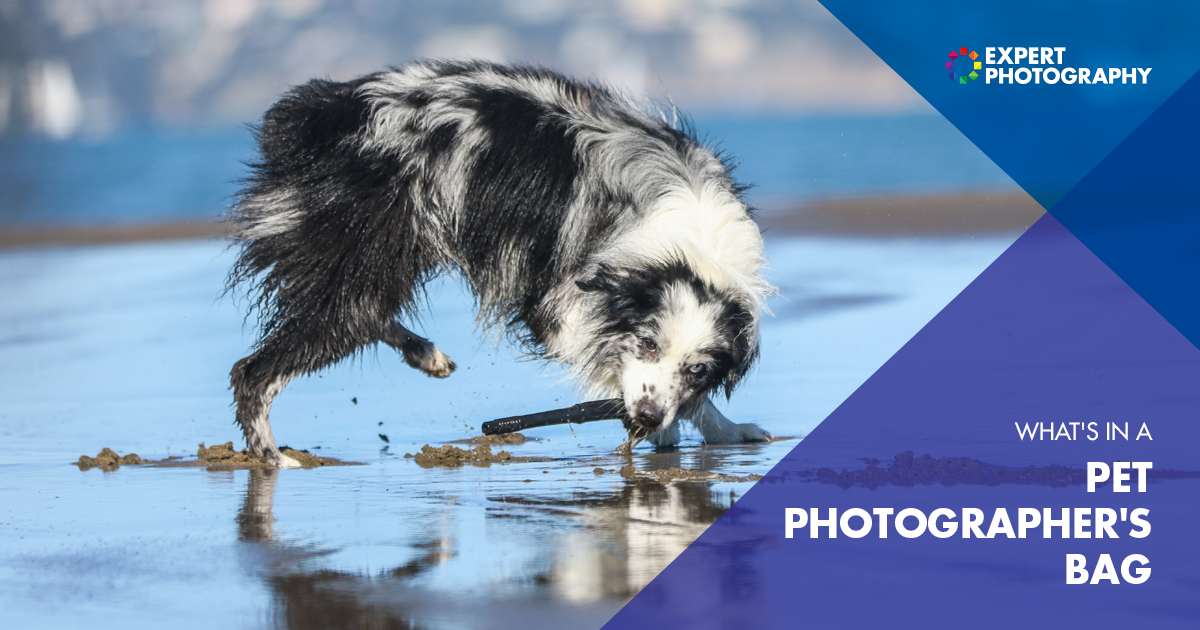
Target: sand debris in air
point(481, 455)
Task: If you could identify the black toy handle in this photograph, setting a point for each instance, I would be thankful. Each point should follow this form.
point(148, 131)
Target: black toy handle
point(611, 409)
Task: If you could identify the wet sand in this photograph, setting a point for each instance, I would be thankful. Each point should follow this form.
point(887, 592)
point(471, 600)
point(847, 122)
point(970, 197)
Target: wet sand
point(109, 460)
point(219, 457)
point(502, 438)
point(673, 474)
point(430, 456)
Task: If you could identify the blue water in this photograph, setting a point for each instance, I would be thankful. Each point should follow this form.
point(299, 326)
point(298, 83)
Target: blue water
point(797, 159)
point(133, 177)
point(143, 176)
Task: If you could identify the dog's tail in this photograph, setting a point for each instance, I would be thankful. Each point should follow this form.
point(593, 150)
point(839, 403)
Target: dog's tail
point(325, 226)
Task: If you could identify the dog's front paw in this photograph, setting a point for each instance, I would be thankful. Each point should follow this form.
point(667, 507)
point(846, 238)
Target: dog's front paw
point(286, 462)
point(751, 432)
point(278, 460)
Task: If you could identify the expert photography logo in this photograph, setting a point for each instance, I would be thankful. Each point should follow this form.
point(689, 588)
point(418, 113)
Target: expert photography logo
point(1021, 65)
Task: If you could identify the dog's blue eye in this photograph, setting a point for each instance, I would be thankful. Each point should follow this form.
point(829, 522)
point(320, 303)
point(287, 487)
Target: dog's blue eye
point(698, 369)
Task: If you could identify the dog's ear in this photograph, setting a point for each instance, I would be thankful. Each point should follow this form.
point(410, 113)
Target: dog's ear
point(744, 351)
point(613, 282)
point(594, 283)
point(626, 296)
point(735, 375)
point(605, 279)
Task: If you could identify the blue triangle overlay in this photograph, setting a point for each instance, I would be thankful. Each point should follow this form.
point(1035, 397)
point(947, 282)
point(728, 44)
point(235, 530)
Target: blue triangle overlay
point(1046, 137)
point(1138, 210)
point(1048, 333)
point(1132, 204)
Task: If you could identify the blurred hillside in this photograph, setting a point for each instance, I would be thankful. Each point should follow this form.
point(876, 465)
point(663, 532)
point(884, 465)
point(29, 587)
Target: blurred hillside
point(91, 67)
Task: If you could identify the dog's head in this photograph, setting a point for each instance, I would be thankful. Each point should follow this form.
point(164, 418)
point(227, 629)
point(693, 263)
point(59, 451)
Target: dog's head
point(668, 339)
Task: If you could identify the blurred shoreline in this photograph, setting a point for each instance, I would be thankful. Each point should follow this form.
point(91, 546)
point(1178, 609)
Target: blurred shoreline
point(880, 216)
point(874, 216)
point(27, 236)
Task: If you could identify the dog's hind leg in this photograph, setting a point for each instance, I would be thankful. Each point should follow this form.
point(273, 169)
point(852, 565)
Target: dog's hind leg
point(717, 429)
point(418, 352)
point(254, 389)
point(289, 351)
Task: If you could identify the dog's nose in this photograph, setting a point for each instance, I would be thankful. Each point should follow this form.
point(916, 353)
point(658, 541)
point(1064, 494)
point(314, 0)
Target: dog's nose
point(647, 413)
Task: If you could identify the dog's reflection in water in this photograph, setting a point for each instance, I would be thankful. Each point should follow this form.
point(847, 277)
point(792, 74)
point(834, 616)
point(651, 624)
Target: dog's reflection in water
point(255, 521)
point(629, 538)
point(611, 547)
point(309, 599)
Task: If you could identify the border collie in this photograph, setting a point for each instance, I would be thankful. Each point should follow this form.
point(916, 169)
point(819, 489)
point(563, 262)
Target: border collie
point(600, 235)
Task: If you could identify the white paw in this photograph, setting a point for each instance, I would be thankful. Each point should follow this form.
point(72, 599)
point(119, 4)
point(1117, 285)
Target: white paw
point(439, 366)
point(751, 432)
point(286, 462)
point(665, 436)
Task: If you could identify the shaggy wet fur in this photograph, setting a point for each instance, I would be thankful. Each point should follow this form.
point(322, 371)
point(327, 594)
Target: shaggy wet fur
point(599, 235)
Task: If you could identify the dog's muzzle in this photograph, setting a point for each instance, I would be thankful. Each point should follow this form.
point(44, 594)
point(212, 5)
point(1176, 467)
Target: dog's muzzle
point(647, 415)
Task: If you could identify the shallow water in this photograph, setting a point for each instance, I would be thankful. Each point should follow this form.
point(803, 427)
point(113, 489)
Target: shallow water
point(129, 347)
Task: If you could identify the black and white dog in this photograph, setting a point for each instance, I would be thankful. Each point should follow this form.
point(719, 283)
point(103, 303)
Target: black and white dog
point(603, 237)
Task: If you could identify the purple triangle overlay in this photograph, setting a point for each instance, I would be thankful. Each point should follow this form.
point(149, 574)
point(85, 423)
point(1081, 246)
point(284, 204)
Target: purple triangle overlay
point(1047, 333)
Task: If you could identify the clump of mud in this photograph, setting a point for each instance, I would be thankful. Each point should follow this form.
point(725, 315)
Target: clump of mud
point(107, 459)
point(679, 474)
point(636, 433)
point(501, 438)
point(431, 456)
point(224, 456)
point(221, 456)
point(308, 460)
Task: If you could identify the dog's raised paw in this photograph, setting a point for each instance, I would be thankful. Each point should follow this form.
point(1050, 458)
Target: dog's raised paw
point(438, 365)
